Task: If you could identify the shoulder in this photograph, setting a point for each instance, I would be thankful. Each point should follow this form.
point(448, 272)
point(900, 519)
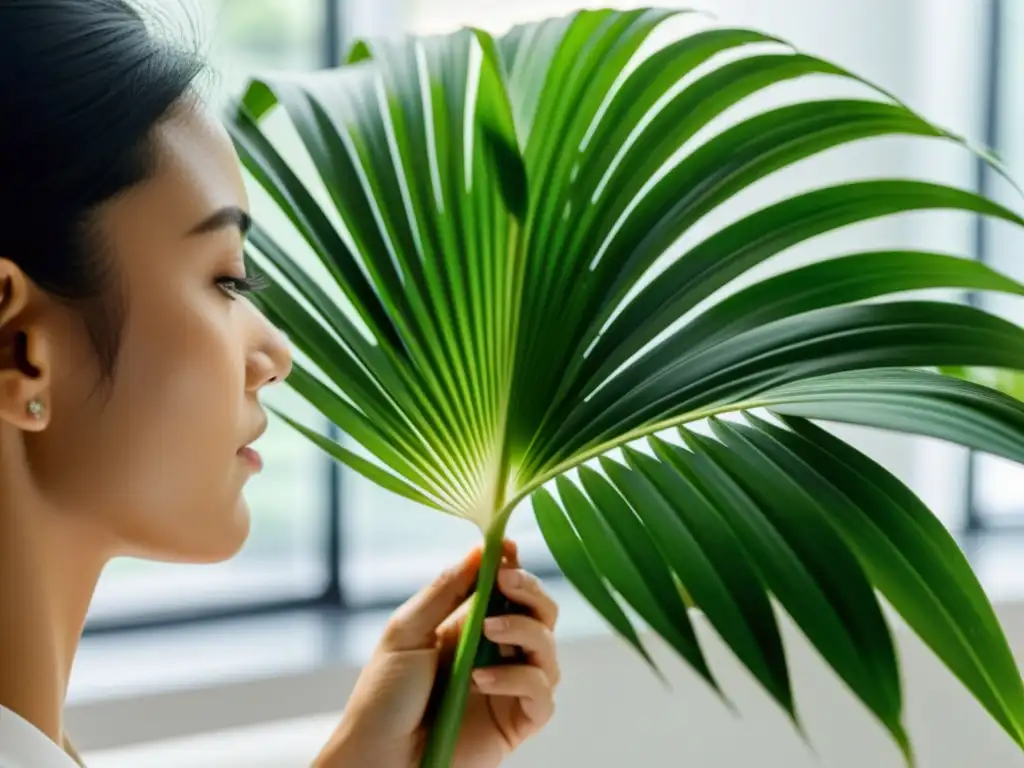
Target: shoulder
point(22, 745)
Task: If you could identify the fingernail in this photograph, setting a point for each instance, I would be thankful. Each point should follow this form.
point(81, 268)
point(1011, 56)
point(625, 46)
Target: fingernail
point(495, 624)
point(513, 579)
point(483, 676)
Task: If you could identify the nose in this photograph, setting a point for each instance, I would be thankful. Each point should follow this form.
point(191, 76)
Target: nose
point(270, 362)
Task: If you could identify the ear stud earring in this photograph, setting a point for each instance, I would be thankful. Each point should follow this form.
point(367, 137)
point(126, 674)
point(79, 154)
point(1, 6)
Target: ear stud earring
point(35, 409)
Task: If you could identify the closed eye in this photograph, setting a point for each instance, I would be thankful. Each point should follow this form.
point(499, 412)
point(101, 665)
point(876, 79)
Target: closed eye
point(235, 286)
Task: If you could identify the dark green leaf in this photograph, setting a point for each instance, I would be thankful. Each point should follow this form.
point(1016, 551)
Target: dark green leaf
point(831, 340)
point(917, 402)
point(829, 283)
point(910, 557)
point(812, 572)
point(577, 566)
point(647, 587)
point(698, 544)
point(752, 240)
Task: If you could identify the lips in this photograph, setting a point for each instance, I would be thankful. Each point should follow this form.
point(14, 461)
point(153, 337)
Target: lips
point(249, 454)
point(251, 457)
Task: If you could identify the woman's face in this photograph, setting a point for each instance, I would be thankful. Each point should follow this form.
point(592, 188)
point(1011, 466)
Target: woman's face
point(156, 460)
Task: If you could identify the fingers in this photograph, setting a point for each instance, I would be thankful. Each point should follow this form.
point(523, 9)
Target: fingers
point(453, 623)
point(511, 557)
point(529, 684)
point(532, 636)
point(415, 624)
point(524, 588)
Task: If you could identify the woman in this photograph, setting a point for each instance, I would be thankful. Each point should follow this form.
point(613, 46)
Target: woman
point(130, 371)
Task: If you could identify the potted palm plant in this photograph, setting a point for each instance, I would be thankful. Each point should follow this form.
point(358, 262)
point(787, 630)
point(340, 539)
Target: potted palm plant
point(501, 324)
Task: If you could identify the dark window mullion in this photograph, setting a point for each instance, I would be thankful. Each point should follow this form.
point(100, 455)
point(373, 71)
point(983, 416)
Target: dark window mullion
point(976, 522)
point(333, 33)
point(334, 593)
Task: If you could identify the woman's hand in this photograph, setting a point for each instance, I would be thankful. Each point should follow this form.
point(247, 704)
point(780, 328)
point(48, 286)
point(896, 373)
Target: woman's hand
point(386, 722)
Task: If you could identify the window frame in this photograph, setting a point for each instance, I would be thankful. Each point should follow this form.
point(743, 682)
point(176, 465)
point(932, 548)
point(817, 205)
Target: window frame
point(332, 599)
point(977, 523)
point(331, 45)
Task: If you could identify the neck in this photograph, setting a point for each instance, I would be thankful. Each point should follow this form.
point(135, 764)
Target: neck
point(48, 572)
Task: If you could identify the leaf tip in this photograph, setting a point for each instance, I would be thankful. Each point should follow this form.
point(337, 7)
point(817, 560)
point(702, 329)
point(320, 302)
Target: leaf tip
point(902, 738)
point(360, 51)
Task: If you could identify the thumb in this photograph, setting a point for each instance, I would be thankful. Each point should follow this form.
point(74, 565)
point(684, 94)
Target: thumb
point(413, 626)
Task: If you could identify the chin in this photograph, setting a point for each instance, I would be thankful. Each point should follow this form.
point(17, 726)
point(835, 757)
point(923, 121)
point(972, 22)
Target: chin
point(230, 539)
point(207, 544)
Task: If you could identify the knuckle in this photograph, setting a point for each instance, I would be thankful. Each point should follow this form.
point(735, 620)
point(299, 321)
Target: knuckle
point(394, 630)
point(555, 677)
point(541, 678)
point(444, 578)
point(549, 638)
point(519, 623)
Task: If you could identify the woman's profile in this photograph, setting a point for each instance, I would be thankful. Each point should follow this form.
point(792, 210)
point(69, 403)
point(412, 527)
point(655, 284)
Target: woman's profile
point(131, 367)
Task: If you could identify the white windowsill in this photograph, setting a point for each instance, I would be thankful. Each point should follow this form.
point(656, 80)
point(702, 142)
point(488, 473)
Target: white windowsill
point(153, 685)
point(164, 684)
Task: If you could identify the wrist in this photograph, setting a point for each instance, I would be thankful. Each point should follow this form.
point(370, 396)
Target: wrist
point(338, 751)
point(353, 747)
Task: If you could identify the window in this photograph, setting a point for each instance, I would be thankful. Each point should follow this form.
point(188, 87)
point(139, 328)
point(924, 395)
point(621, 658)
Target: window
point(250, 36)
point(321, 534)
point(436, 16)
point(998, 484)
point(285, 557)
point(392, 545)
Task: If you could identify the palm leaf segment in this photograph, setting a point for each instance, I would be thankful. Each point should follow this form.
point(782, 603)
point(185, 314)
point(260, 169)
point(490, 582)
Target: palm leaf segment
point(505, 208)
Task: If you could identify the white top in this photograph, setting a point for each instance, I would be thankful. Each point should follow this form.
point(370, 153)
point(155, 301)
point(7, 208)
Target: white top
point(22, 745)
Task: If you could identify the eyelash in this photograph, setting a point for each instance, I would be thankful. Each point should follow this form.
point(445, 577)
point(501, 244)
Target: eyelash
point(236, 286)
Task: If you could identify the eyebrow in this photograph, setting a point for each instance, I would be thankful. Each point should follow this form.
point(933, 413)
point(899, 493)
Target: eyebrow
point(229, 216)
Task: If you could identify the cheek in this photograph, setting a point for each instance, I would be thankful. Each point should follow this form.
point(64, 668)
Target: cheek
point(163, 471)
point(183, 387)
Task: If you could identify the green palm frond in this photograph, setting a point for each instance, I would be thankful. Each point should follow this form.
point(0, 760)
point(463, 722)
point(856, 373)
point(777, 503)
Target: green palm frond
point(499, 307)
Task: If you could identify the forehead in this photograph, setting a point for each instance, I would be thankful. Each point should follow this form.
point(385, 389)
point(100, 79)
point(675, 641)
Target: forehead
point(196, 173)
point(197, 169)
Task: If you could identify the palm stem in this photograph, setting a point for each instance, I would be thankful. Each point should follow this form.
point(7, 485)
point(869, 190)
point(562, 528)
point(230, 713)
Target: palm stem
point(445, 730)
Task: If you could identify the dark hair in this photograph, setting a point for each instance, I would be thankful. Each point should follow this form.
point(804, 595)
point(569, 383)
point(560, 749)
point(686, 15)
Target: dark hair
point(82, 85)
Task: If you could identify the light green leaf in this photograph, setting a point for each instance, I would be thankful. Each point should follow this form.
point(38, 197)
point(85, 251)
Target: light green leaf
point(366, 468)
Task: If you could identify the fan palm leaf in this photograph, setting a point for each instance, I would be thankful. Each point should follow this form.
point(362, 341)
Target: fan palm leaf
point(497, 217)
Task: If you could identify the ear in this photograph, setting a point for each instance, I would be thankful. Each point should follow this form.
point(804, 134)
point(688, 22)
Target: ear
point(25, 352)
